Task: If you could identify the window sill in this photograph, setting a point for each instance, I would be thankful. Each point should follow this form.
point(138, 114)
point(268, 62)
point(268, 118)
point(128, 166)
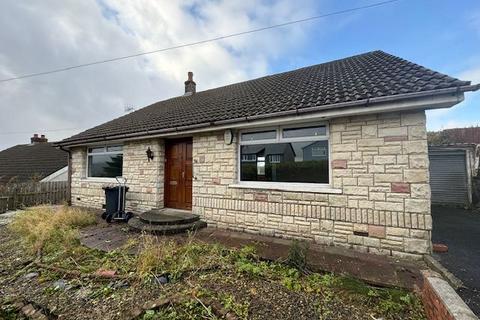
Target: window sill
point(101, 180)
point(287, 187)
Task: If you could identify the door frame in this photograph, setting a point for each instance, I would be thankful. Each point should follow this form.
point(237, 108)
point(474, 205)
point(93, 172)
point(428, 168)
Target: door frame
point(168, 143)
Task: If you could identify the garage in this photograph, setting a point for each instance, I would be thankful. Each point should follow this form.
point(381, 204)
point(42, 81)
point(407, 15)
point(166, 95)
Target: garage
point(450, 175)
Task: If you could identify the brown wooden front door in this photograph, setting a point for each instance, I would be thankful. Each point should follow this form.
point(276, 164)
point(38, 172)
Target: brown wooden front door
point(178, 174)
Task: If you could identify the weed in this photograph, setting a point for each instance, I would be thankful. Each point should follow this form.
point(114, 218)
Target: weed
point(323, 308)
point(189, 309)
point(316, 282)
point(247, 252)
point(230, 304)
point(8, 311)
point(291, 280)
point(103, 291)
point(297, 255)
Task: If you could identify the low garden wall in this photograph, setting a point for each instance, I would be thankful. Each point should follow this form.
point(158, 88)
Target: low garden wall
point(441, 301)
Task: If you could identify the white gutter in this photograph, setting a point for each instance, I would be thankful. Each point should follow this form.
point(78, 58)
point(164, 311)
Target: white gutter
point(442, 98)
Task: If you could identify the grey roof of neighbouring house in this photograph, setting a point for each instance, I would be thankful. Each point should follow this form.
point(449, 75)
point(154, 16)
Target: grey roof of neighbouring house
point(351, 80)
point(23, 162)
point(269, 149)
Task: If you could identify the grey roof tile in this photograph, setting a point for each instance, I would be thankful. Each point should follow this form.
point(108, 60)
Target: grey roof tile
point(368, 75)
point(23, 162)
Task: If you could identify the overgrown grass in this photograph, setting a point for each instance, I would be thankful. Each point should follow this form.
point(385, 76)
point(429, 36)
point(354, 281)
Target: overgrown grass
point(173, 259)
point(54, 231)
point(47, 225)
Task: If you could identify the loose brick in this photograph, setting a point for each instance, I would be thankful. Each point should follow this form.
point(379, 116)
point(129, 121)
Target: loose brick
point(439, 248)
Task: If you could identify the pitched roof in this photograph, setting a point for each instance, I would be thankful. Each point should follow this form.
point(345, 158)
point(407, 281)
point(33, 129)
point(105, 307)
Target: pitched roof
point(463, 135)
point(354, 79)
point(26, 161)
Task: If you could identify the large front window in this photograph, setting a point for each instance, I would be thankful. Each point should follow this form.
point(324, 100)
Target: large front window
point(285, 154)
point(105, 162)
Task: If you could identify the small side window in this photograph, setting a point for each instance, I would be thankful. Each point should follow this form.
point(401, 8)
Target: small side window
point(261, 135)
point(304, 132)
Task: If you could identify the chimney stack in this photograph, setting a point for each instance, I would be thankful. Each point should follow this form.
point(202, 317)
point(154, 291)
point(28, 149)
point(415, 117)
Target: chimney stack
point(36, 139)
point(190, 85)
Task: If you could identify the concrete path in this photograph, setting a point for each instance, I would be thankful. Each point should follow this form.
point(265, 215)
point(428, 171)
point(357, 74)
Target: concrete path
point(459, 229)
point(6, 217)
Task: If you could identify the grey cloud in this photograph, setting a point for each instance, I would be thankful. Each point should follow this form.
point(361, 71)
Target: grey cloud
point(42, 35)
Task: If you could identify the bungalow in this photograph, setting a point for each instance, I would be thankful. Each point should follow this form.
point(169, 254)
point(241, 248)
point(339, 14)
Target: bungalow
point(37, 161)
point(354, 174)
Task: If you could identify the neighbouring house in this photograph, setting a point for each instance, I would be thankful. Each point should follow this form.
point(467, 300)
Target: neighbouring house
point(39, 160)
point(335, 153)
point(470, 135)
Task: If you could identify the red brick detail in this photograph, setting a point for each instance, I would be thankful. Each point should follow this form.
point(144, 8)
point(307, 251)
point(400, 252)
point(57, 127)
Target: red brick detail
point(440, 247)
point(376, 231)
point(216, 180)
point(339, 164)
point(395, 138)
point(434, 306)
point(400, 187)
point(261, 197)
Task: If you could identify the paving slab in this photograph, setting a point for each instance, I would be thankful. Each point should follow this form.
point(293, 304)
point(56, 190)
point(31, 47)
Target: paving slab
point(6, 217)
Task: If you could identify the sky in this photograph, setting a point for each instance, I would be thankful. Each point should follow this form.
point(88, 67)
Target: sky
point(37, 36)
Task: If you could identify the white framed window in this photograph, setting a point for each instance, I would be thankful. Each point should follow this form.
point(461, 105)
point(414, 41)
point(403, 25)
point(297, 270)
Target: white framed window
point(294, 154)
point(275, 158)
point(249, 157)
point(105, 161)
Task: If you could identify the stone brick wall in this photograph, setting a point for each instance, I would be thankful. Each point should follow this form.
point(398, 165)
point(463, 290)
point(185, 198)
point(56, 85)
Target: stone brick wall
point(145, 178)
point(380, 164)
